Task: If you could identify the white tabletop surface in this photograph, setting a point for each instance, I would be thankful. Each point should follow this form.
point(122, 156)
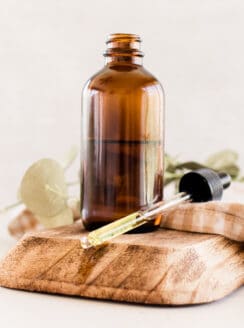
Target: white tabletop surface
point(26, 309)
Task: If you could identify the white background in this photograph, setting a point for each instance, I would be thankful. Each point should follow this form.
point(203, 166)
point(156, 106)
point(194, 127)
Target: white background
point(49, 48)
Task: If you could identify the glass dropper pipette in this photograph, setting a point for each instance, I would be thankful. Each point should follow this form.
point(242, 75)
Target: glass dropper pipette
point(196, 186)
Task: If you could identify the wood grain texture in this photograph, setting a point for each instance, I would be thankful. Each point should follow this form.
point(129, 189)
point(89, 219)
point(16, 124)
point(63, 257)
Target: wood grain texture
point(162, 267)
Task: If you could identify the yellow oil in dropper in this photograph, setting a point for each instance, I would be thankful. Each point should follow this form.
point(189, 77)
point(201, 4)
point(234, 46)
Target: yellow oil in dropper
point(129, 222)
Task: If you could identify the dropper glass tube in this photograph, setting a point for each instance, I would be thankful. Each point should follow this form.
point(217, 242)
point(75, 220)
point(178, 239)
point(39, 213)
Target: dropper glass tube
point(200, 185)
point(131, 221)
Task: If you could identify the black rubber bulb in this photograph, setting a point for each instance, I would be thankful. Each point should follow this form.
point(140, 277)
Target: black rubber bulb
point(204, 184)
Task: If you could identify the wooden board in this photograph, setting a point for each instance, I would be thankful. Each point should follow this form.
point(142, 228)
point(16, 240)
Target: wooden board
point(162, 267)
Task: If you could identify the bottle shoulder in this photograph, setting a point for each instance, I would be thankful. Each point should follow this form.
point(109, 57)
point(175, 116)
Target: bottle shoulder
point(122, 77)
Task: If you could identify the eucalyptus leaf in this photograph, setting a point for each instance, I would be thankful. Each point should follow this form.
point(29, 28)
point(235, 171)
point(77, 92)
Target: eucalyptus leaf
point(43, 188)
point(170, 163)
point(63, 218)
point(241, 179)
point(222, 159)
point(74, 205)
point(170, 177)
point(190, 166)
point(225, 161)
point(233, 170)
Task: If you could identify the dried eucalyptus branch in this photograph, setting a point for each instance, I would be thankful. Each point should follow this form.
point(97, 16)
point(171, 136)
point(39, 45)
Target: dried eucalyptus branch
point(225, 161)
point(46, 179)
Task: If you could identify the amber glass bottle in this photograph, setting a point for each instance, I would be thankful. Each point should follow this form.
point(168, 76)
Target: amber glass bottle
point(122, 143)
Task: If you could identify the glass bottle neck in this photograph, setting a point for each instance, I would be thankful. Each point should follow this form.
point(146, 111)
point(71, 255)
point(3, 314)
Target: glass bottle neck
point(123, 60)
point(123, 49)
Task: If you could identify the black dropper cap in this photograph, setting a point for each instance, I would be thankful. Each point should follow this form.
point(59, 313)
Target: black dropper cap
point(204, 184)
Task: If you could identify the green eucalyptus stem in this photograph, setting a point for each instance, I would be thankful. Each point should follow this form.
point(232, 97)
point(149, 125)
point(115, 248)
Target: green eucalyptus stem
point(190, 166)
point(10, 207)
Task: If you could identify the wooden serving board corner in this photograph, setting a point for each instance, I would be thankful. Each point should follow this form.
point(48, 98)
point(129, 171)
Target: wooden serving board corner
point(162, 267)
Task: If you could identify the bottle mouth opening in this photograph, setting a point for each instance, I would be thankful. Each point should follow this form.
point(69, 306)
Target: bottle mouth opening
point(123, 37)
point(122, 44)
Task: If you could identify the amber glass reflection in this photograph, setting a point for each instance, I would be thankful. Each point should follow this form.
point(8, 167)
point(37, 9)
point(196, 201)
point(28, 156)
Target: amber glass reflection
point(122, 137)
